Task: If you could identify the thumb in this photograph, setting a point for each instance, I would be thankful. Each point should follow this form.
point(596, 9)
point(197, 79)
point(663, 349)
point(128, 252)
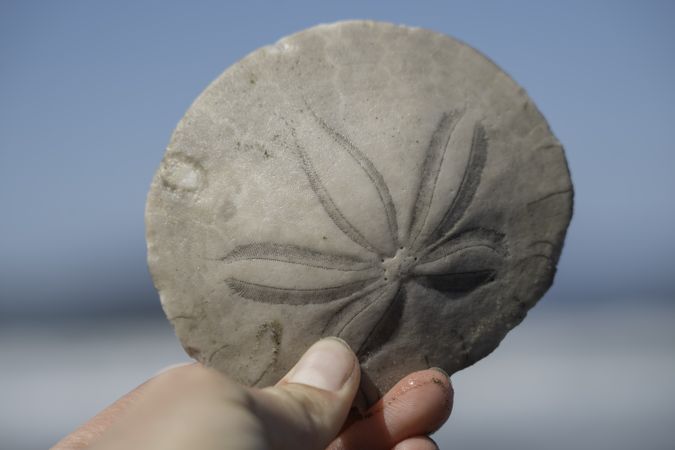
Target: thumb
point(307, 408)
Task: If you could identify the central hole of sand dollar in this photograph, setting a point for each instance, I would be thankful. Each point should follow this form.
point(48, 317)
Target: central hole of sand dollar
point(399, 266)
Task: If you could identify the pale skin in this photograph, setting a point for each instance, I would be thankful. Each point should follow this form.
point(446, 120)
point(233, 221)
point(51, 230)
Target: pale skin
point(193, 407)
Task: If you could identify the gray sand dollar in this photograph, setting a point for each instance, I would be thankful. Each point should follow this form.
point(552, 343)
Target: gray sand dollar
point(384, 184)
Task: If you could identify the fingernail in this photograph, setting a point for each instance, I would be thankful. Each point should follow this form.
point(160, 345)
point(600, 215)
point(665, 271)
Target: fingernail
point(326, 365)
point(438, 369)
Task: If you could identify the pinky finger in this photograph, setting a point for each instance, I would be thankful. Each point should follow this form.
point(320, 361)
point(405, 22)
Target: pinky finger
point(417, 443)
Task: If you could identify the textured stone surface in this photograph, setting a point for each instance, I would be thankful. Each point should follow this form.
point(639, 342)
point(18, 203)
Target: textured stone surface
point(385, 184)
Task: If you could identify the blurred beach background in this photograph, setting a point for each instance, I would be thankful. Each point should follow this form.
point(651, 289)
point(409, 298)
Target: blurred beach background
point(91, 91)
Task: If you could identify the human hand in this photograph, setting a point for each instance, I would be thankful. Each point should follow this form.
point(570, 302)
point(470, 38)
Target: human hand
point(193, 407)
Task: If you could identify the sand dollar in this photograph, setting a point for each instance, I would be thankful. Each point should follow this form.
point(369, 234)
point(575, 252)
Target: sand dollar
point(384, 184)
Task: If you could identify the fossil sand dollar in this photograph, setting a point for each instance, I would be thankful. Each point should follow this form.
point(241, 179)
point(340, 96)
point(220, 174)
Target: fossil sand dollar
point(384, 184)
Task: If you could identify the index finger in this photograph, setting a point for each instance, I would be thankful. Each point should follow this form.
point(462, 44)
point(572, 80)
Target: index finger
point(417, 405)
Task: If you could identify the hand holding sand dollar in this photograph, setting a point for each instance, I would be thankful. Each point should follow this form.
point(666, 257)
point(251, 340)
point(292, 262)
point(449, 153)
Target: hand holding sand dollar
point(384, 184)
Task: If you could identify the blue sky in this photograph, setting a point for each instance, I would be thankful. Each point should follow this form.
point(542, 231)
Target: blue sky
point(90, 92)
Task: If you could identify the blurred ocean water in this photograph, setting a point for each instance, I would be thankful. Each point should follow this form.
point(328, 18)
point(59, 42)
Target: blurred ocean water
point(583, 378)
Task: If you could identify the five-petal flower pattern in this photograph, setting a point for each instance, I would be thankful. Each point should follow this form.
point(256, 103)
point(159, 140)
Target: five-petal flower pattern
point(432, 253)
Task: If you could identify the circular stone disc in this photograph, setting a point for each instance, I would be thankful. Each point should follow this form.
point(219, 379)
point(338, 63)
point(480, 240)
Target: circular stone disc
point(384, 184)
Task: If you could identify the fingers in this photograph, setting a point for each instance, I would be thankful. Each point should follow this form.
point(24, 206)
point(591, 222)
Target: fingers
point(309, 405)
point(417, 405)
point(306, 409)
